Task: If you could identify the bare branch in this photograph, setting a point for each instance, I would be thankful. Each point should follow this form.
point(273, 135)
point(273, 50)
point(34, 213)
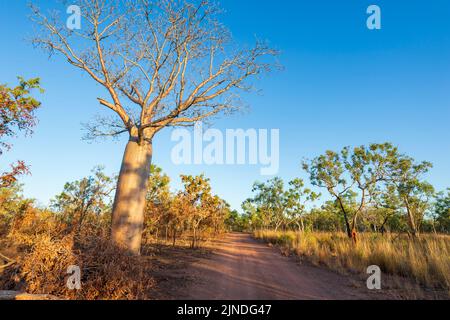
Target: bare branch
point(171, 60)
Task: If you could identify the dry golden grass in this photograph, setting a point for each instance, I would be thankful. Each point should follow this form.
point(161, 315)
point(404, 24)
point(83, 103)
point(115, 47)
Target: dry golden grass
point(425, 260)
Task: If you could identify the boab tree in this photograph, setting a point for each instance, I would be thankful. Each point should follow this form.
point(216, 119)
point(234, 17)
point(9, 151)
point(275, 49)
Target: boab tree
point(163, 63)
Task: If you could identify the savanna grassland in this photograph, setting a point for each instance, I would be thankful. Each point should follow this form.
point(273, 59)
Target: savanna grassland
point(164, 64)
point(379, 210)
point(425, 260)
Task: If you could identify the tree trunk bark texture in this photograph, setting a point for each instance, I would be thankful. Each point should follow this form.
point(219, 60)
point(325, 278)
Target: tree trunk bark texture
point(130, 199)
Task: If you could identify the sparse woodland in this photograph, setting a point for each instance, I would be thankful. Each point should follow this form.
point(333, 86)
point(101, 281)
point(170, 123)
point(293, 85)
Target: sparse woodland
point(371, 188)
point(378, 210)
point(39, 244)
point(75, 230)
point(361, 206)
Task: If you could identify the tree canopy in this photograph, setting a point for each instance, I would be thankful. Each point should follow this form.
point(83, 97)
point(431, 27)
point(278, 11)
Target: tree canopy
point(17, 115)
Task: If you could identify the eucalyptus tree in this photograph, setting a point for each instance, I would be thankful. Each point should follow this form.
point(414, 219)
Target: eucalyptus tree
point(162, 63)
point(415, 194)
point(359, 170)
point(253, 215)
point(81, 198)
point(201, 204)
point(328, 171)
point(159, 201)
point(297, 197)
point(270, 202)
point(277, 206)
point(442, 211)
point(367, 168)
point(386, 205)
point(158, 185)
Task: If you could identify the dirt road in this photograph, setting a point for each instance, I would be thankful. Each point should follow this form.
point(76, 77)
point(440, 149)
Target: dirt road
point(243, 269)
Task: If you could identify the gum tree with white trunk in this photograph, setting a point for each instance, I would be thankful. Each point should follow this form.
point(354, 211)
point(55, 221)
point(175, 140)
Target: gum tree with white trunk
point(162, 63)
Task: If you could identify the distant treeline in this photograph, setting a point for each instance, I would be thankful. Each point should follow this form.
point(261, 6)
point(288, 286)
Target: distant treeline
point(372, 188)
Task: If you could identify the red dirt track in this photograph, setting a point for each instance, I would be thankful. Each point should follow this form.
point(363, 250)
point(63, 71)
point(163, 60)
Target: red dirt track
point(244, 269)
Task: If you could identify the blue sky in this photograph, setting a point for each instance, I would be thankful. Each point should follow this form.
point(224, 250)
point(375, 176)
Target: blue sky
point(342, 84)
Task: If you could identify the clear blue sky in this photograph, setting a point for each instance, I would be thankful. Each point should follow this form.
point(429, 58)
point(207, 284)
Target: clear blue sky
point(342, 85)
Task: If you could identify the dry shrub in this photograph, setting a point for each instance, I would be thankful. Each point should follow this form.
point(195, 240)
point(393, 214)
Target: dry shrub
point(48, 248)
point(32, 224)
point(112, 273)
point(44, 268)
point(107, 272)
point(40, 266)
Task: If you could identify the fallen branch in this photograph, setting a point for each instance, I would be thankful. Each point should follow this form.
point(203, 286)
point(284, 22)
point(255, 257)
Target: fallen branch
point(9, 262)
point(15, 295)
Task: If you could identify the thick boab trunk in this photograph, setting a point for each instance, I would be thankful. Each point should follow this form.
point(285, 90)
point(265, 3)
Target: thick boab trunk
point(129, 203)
